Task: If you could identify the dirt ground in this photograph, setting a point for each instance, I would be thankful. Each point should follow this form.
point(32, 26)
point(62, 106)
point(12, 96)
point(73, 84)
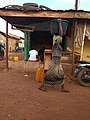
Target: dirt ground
point(20, 99)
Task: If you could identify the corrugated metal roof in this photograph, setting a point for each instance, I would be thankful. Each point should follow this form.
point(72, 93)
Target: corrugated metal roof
point(29, 8)
point(10, 36)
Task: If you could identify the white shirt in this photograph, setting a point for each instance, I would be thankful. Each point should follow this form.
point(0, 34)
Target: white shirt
point(33, 54)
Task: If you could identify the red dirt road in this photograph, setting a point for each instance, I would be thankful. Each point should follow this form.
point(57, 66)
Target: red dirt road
point(20, 99)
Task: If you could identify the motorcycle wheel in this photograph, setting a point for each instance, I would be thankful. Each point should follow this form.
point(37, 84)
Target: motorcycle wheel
point(81, 77)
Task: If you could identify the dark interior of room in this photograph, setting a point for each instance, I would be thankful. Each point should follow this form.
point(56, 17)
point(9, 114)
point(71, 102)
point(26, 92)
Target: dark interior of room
point(41, 39)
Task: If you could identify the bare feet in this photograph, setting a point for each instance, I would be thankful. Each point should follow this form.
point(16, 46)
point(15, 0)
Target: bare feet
point(65, 90)
point(42, 88)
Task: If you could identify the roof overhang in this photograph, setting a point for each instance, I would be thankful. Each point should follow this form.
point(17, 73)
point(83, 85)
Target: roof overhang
point(46, 13)
point(26, 18)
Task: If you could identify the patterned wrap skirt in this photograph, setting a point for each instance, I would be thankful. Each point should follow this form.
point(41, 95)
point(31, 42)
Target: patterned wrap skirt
point(55, 73)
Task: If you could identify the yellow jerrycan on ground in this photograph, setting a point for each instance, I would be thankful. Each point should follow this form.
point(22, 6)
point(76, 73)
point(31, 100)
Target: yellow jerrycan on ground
point(39, 74)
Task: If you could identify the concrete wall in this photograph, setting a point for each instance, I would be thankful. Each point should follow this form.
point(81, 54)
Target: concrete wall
point(23, 66)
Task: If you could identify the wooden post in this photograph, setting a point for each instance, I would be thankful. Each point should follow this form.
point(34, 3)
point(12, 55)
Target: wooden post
point(81, 54)
point(76, 4)
point(73, 44)
point(6, 44)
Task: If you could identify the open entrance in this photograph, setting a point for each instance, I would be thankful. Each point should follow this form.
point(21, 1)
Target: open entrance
point(41, 39)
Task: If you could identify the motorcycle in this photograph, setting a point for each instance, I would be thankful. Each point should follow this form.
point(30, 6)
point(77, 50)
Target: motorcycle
point(82, 72)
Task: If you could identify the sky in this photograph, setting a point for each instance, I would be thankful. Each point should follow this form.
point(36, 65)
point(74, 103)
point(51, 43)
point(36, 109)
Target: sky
point(53, 4)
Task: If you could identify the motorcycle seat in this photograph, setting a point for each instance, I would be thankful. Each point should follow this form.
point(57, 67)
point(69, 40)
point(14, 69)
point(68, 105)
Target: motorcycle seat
point(83, 62)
